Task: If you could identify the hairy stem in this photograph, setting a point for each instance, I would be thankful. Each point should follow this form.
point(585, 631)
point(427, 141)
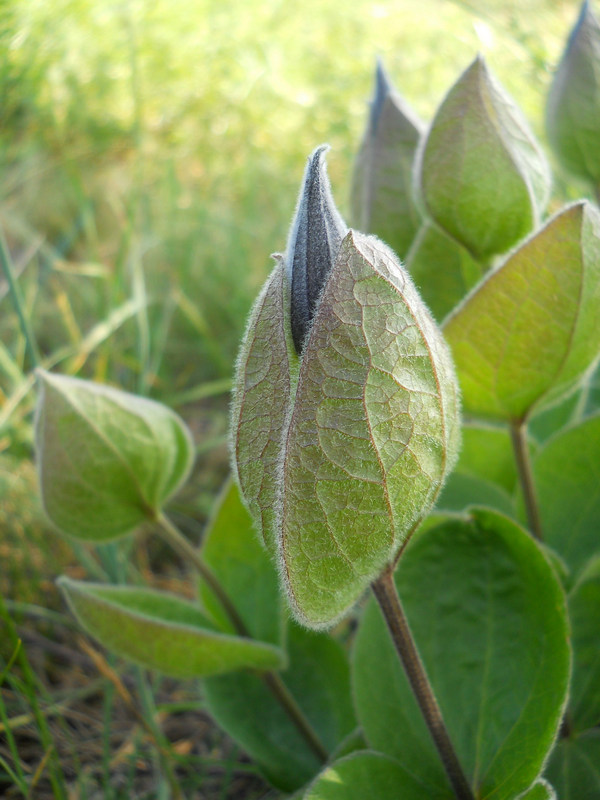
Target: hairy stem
point(384, 590)
point(173, 536)
point(518, 432)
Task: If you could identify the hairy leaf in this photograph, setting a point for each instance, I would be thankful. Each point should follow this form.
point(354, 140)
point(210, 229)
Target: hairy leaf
point(162, 631)
point(529, 332)
point(107, 460)
point(489, 619)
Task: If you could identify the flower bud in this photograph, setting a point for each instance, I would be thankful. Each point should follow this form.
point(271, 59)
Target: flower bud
point(573, 109)
point(342, 450)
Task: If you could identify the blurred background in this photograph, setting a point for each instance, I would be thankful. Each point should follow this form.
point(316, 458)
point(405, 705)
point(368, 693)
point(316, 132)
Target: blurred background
point(151, 154)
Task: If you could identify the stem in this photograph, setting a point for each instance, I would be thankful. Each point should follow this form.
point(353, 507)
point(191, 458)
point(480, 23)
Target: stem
point(384, 590)
point(173, 536)
point(518, 432)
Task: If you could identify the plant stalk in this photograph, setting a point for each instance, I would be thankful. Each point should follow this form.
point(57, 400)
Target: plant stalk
point(386, 594)
point(173, 536)
point(518, 433)
point(7, 268)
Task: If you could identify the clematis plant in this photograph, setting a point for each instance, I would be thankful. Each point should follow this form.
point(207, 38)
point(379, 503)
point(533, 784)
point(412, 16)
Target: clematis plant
point(377, 614)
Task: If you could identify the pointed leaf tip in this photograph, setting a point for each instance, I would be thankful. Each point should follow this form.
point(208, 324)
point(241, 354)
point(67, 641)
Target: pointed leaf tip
point(316, 233)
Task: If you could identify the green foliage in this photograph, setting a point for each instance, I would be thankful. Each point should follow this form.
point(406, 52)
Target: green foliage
point(574, 767)
point(163, 632)
point(479, 593)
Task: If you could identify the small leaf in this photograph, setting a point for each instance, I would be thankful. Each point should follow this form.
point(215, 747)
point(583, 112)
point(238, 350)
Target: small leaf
point(261, 394)
point(573, 108)
point(529, 332)
point(567, 479)
point(373, 431)
point(483, 177)
point(319, 679)
point(462, 491)
point(574, 767)
point(161, 631)
point(243, 568)
point(382, 192)
point(489, 619)
point(487, 453)
point(584, 613)
point(368, 775)
point(107, 460)
point(442, 269)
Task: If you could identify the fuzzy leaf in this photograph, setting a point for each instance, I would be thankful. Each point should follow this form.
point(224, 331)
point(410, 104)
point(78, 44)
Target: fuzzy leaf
point(107, 460)
point(243, 568)
point(368, 774)
point(541, 790)
point(373, 431)
point(567, 479)
point(162, 631)
point(319, 679)
point(573, 108)
point(483, 177)
point(442, 269)
point(382, 192)
point(261, 395)
point(489, 619)
point(529, 332)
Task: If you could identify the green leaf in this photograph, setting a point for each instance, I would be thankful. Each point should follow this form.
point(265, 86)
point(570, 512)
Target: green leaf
point(487, 453)
point(529, 332)
point(107, 460)
point(573, 107)
point(489, 619)
point(541, 790)
point(368, 775)
point(567, 479)
point(243, 567)
point(161, 631)
point(318, 677)
point(463, 491)
point(584, 613)
point(261, 394)
point(483, 177)
point(574, 767)
point(382, 192)
point(442, 269)
point(373, 431)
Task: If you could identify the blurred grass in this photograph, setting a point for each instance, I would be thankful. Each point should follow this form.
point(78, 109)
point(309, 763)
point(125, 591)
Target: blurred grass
point(150, 158)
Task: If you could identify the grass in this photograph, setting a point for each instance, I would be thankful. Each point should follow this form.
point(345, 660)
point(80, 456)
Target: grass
point(151, 155)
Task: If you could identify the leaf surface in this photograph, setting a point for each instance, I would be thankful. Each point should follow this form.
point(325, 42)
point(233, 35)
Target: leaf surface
point(584, 613)
point(529, 331)
point(107, 460)
point(489, 619)
point(574, 767)
point(161, 631)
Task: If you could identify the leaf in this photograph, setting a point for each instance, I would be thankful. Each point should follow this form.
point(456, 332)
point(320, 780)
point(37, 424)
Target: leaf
point(261, 393)
point(442, 269)
point(161, 631)
point(487, 453)
point(319, 679)
point(574, 767)
point(382, 193)
point(463, 491)
point(541, 790)
point(483, 177)
point(584, 613)
point(573, 107)
point(529, 332)
point(374, 429)
point(232, 551)
point(567, 479)
point(368, 774)
point(489, 619)
point(107, 460)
